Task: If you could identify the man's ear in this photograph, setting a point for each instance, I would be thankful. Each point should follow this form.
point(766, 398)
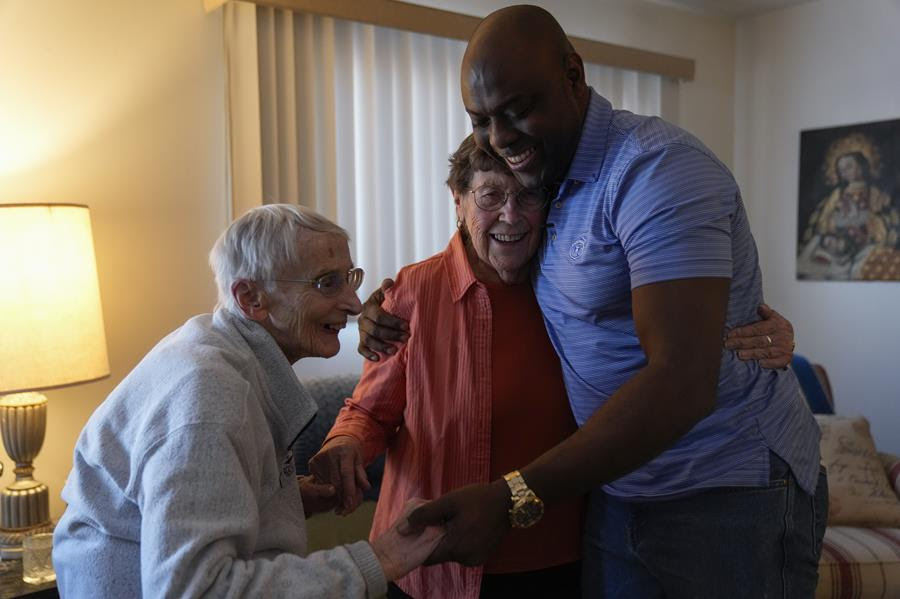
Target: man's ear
point(251, 299)
point(575, 72)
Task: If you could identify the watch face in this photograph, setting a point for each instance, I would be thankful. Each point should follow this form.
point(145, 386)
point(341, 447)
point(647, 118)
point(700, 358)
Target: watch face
point(527, 513)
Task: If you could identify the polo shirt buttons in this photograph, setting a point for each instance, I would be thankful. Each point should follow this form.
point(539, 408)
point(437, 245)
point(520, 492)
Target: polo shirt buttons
point(558, 204)
point(553, 236)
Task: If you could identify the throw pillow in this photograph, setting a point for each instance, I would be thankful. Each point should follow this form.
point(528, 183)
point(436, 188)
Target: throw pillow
point(892, 468)
point(858, 490)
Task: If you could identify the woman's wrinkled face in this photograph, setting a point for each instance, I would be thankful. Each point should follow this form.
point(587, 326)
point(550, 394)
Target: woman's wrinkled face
point(303, 320)
point(503, 241)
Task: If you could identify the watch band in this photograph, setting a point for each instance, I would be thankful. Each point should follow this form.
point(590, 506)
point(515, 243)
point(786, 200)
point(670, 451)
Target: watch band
point(516, 484)
point(527, 508)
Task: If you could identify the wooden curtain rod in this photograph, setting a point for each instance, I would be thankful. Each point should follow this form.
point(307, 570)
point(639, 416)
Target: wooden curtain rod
point(444, 23)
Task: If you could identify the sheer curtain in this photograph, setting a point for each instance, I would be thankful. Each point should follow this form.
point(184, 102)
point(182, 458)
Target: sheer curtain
point(357, 122)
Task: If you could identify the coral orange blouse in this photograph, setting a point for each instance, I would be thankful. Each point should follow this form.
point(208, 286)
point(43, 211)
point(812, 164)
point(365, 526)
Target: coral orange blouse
point(477, 391)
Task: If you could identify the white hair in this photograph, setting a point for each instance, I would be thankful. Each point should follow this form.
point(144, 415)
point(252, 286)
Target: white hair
point(261, 244)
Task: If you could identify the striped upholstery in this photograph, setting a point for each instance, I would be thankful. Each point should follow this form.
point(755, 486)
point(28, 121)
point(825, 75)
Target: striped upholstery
point(860, 563)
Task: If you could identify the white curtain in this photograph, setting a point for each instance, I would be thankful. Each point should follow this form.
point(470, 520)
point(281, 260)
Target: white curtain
point(357, 122)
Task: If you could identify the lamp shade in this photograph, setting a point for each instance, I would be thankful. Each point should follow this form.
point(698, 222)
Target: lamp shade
point(51, 322)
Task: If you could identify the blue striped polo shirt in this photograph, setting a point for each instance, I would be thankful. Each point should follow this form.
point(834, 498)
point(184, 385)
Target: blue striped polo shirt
point(643, 202)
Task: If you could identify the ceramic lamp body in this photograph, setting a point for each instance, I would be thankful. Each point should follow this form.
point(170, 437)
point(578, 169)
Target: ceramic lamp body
point(25, 504)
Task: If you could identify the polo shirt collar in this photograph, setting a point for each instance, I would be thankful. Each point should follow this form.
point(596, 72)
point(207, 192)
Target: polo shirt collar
point(591, 148)
point(459, 271)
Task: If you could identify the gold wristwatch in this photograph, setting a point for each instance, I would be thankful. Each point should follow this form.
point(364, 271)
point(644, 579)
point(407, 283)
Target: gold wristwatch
point(527, 508)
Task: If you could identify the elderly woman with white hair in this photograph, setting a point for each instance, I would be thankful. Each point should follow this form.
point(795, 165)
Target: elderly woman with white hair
point(183, 482)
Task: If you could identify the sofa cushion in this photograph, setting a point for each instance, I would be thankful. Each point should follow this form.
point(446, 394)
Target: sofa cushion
point(859, 563)
point(858, 489)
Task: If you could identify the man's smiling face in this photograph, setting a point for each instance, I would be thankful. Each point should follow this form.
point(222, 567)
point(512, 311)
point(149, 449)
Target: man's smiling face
point(525, 101)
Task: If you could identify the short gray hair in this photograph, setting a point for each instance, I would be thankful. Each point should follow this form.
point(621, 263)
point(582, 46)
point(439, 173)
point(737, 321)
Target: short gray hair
point(260, 244)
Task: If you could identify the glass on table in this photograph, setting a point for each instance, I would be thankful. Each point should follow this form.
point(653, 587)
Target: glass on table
point(37, 558)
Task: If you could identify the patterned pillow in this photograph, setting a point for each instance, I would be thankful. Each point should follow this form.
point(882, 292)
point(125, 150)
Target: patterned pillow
point(892, 468)
point(858, 489)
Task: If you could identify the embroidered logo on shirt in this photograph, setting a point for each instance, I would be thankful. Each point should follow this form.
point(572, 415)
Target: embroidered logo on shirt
point(577, 248)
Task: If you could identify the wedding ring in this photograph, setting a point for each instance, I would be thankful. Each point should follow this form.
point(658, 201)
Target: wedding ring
point(769, 339)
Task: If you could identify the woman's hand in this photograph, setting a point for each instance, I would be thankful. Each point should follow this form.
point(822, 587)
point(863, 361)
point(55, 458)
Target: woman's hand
point(400, 553)
point(339, 463)
point(316, 496)
point(770, 340)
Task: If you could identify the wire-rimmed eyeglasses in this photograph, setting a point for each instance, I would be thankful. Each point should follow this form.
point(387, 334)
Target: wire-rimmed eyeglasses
point(491, 197)
point(332, 283)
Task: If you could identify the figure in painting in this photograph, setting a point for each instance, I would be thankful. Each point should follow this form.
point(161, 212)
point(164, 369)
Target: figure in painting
point(853, 232)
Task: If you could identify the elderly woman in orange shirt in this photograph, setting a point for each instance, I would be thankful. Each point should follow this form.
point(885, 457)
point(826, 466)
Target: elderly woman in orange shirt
point(475, 391)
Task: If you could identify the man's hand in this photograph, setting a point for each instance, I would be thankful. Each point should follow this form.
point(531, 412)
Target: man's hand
point(770, 340)
point(317, 497)
point(339, 464)
point(400, 553)
point(475, 517)
point(378, 330)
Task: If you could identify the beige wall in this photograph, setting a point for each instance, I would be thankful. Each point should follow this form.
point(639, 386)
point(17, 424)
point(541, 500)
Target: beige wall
point(118, 105)
point(822, 64)
point(706, 104)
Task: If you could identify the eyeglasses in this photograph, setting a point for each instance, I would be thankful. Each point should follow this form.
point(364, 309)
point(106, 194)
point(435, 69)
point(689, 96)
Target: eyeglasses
point(332, 283)
point(491, 197)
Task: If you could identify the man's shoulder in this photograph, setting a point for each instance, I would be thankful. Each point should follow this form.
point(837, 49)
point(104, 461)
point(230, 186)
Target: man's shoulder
point(634, 134)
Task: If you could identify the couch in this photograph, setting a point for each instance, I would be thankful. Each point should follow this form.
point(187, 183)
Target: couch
point(858, 561)
point(860, 558)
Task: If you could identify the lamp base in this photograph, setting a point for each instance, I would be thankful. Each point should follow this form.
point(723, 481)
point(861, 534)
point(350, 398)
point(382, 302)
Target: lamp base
point(24, 504)
point(26, 510)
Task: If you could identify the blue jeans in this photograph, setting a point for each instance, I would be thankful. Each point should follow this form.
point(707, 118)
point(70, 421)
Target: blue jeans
point(732, 543)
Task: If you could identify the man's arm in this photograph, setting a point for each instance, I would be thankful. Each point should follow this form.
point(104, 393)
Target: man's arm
point(380, 330)
point(769, 340)
point(680, 325)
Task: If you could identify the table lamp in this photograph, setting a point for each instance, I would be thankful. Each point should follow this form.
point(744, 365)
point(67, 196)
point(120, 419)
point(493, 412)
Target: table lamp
point(51, 335)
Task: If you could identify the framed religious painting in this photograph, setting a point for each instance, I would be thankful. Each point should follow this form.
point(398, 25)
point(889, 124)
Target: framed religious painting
point(848, 221)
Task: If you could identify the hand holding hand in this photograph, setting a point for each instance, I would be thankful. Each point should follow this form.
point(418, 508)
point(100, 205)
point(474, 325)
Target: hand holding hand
point(317, 497)
point(770, 340)
point(476, 517)
point(378, 330)
point(339, 463)
point(400, 553)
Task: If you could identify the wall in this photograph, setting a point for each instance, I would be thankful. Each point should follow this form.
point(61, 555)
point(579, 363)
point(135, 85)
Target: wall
point(706, 104)
point(118, 105)
point(821, 64)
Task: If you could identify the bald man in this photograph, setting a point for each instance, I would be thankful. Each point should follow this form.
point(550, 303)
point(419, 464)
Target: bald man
point(703, 470)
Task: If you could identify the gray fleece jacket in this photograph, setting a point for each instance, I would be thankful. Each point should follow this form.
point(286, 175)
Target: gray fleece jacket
point(183, 483)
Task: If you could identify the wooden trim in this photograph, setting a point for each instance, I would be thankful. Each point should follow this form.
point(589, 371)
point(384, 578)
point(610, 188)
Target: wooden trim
point(443, 23)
